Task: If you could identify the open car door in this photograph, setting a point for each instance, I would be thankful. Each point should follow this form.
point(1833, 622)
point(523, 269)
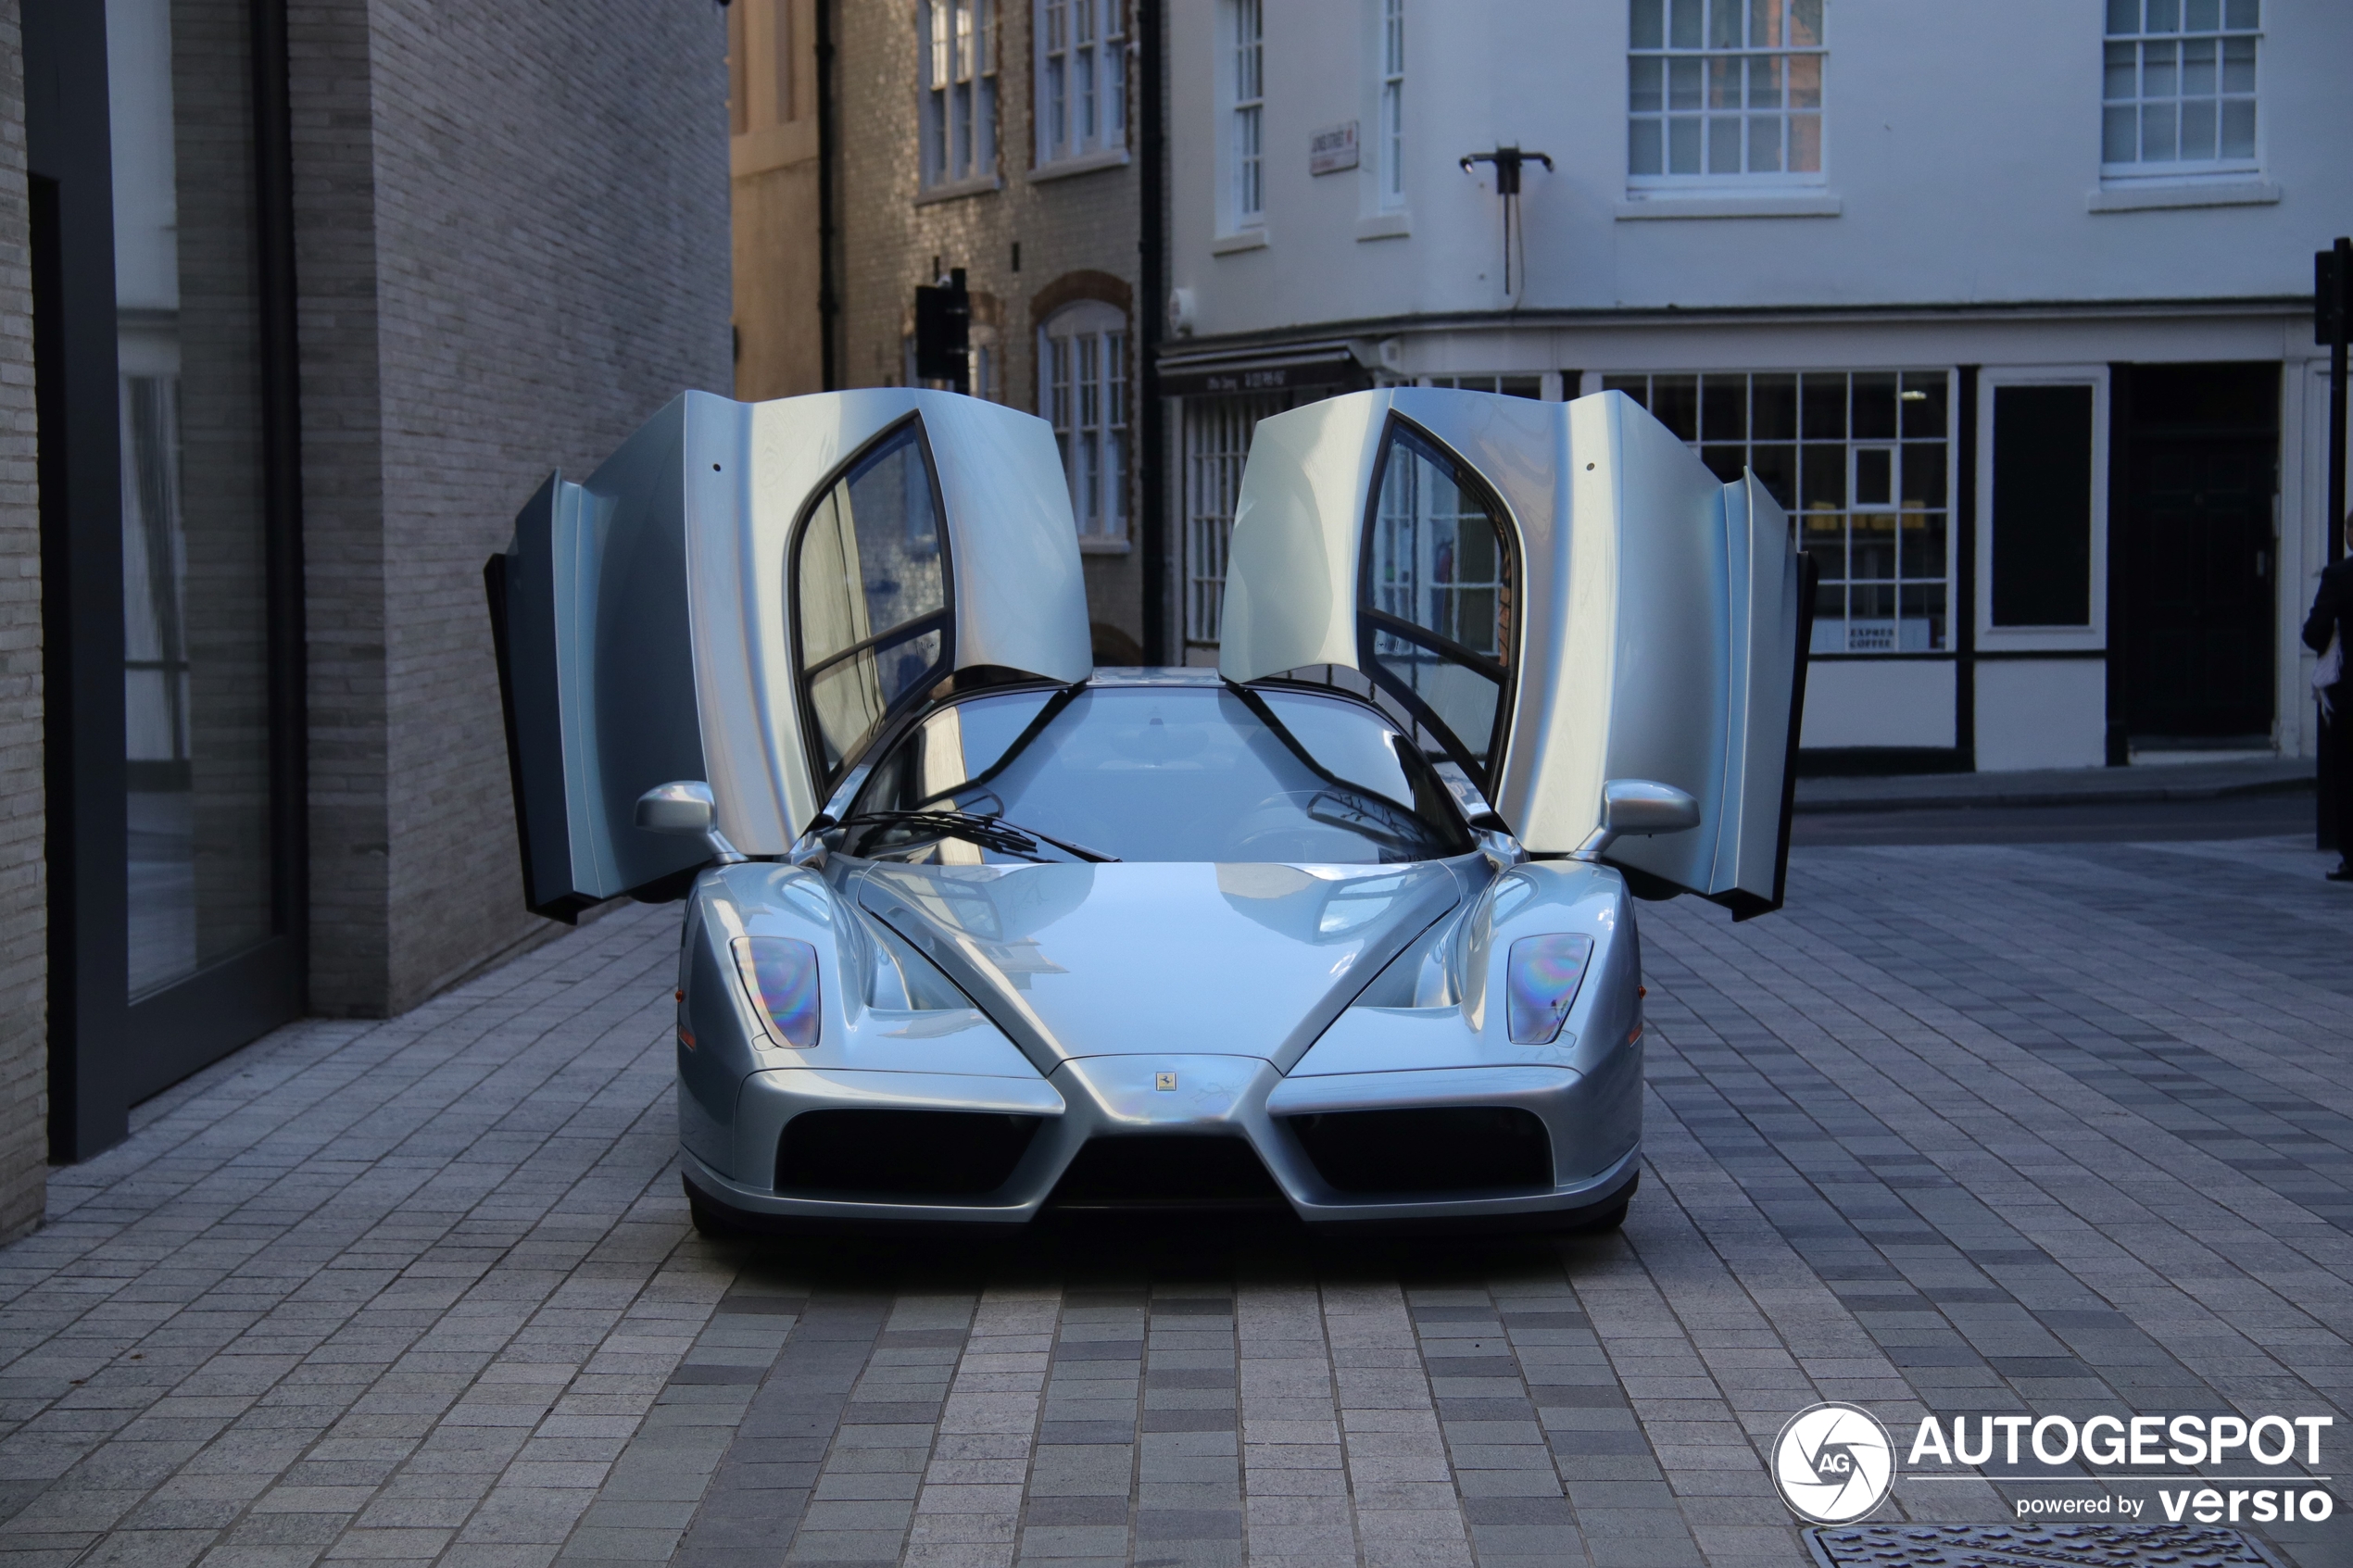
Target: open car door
point(1560, 595)
point(745, 594)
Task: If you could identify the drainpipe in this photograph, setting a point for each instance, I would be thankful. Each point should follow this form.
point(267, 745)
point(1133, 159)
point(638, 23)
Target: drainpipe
point(828, 301)
point(1151, 319)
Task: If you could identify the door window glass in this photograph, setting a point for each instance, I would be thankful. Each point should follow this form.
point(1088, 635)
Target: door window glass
point(872, 594)
point(1439, 596)
point(196, 733)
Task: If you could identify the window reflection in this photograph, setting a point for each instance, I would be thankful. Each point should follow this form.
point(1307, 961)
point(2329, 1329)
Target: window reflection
point(1439, 581)
point(872, 594)
point(195, 625)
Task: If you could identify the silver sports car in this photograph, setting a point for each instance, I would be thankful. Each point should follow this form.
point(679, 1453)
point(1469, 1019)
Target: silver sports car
point(975, 930)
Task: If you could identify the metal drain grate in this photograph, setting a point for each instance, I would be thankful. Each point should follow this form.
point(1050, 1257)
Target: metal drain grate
point(2009, 1546)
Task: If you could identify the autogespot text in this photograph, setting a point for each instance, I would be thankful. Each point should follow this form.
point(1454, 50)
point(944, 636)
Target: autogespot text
point(2123, 1443)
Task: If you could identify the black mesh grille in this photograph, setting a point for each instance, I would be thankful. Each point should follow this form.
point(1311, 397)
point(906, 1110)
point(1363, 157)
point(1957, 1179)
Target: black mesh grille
point(901, 1153)
point(1451, 1148)
point(1163, 1172)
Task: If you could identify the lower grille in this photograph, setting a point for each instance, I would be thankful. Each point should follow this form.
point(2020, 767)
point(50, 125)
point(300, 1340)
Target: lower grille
point(1450, 1149)
point(2029, 1546)
point(906, 1154)
point(1165, 1171)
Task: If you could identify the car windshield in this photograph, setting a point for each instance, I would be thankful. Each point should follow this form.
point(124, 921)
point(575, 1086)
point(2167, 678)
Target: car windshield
point(1159, 773)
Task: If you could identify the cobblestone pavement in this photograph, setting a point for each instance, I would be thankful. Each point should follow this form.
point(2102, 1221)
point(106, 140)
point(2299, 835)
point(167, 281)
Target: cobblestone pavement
point(1964, 1130)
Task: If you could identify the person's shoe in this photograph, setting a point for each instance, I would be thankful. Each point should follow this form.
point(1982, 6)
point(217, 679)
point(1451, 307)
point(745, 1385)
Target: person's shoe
point(2343, 872)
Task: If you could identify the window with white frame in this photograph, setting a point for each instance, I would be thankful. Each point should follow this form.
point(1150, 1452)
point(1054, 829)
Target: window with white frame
point(960, 90)
point(1082, 77)
point(1858, 459)
point(1392, 105)
point(2178, 93)
point(1724, 89)
point(1082, 387)
point(1243, 23)
point(1509, 386)
point(1216, 436)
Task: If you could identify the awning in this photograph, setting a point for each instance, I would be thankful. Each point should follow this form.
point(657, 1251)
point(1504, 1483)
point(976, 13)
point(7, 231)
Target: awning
point(1219, 373)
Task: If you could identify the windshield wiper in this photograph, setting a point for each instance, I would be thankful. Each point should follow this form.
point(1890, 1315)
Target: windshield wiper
point(989, 832)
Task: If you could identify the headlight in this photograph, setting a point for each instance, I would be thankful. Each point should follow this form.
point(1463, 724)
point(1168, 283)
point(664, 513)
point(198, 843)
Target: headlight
point(1541, 982)
point(780, 975)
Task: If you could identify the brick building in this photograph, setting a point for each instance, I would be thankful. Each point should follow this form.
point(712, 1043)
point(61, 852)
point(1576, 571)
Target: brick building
point(772, 161)
point(995, 136)
point(303, 298)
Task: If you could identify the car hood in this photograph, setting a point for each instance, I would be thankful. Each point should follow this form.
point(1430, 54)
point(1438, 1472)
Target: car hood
point(1141, 958)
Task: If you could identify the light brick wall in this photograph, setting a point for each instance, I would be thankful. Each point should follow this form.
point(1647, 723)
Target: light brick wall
point(24, 1133)
point(515, 248)
point(1083, 222)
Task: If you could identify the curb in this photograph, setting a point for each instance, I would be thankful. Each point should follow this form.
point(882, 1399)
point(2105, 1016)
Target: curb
point(2120, 795)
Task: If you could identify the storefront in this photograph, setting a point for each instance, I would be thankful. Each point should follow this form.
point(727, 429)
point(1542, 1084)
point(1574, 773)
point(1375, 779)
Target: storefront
point(2042, 543)
point(170, 530)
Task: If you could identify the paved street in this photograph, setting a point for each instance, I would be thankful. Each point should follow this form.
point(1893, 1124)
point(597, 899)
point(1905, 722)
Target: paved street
point(1968, 1129)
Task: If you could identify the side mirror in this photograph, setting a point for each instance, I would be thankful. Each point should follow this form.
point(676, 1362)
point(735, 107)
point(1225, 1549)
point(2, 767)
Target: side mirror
point(1638, 806)
point(684, 807)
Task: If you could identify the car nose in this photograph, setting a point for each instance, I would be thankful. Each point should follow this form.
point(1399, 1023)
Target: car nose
point(1169, 1092)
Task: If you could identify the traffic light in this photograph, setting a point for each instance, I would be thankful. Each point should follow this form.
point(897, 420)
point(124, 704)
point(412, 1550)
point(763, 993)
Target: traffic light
point(943, 333)
point(2330, 286)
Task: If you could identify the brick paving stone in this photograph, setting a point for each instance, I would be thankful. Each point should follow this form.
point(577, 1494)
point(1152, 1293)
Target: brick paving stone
point(1974, 1132)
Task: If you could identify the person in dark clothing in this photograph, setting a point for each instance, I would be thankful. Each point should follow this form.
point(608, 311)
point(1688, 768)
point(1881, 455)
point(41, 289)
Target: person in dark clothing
point(2332, 616)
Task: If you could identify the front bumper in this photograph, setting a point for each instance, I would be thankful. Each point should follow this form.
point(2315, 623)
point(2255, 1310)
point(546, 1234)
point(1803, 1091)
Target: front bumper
point(1592, 1128)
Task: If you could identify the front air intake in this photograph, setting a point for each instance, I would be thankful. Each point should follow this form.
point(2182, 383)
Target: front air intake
point(1165, 1171)
point(899, 1154)
point(1443, 1149)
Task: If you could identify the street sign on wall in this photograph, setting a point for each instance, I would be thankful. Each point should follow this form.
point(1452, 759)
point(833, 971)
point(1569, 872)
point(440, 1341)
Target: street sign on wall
point(1332, 149)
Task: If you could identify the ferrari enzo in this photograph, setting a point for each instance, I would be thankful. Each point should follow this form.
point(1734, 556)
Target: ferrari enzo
point(975, 930)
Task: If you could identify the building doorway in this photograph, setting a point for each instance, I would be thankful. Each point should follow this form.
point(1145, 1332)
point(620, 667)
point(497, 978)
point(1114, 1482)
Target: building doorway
point(2196, 556)
point(156, 139)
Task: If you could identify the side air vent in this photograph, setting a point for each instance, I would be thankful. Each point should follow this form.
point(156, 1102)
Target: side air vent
point(1451, 1148)
point(907, 1154)
point(1168, 1172)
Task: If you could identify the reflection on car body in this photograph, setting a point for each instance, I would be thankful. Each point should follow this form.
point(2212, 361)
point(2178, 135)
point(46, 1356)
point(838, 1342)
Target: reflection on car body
point(973, 930)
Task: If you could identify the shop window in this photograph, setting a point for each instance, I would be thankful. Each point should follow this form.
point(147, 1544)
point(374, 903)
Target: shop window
point(1860, 461)
point(1508, 386)
point(1217, 432)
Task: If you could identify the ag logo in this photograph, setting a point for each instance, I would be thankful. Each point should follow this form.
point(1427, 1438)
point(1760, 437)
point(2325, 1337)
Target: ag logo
point(1833, 1463)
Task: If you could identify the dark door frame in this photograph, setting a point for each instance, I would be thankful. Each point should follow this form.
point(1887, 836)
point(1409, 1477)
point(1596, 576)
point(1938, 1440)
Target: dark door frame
point(106, 1052)
point(2128, 429)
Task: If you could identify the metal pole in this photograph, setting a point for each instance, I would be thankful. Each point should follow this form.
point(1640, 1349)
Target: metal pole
point(2333, 310)
point(1151, 314)
point(828, 297)
point(2336, 404)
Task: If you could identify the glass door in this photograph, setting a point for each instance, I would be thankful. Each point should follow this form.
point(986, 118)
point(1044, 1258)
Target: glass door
point(170, 541)
point(196, 570)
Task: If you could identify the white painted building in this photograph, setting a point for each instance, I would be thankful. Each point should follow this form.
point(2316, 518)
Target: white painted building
point(2009, 302)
